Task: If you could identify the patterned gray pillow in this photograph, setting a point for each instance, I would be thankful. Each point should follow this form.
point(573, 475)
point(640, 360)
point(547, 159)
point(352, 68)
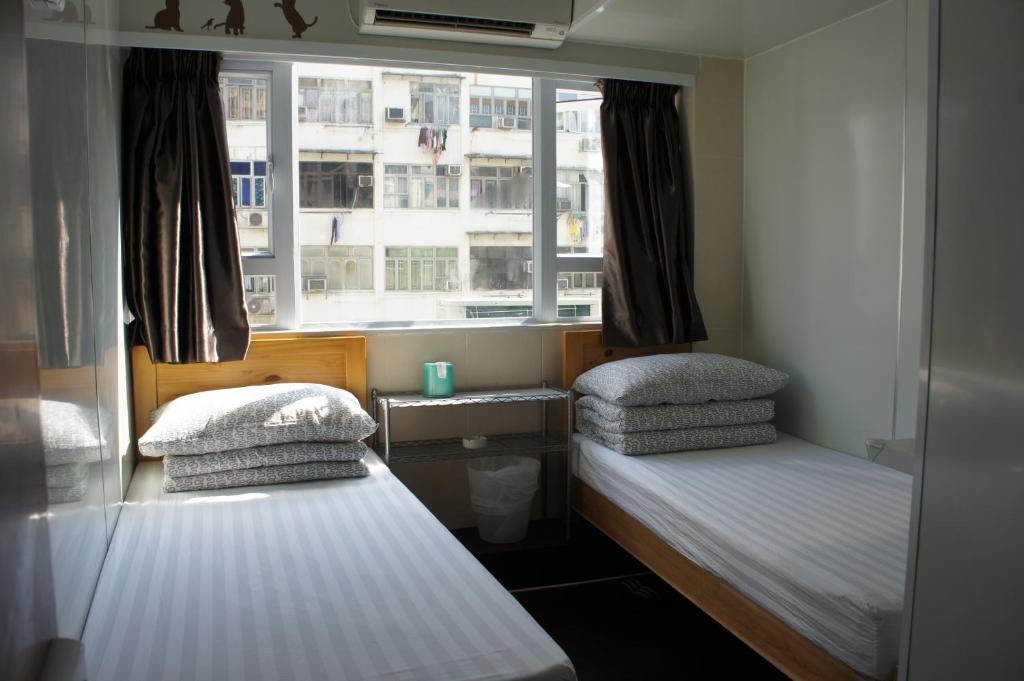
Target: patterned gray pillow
point(268, 475)
point(684, 378)
point(251, 416)
point(257, 457)
point(681, 439)
point(616, 419)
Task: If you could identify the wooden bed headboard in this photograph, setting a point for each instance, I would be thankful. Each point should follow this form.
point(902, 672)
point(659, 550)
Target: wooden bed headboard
point(583, 350)
point(338, 361)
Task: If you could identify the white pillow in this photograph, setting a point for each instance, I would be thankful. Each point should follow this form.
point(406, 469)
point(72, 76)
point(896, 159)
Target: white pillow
point(251, 416)
point(683, 378)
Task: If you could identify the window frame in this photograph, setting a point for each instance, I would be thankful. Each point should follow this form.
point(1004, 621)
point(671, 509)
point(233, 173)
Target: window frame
point(358, 97)
point(283, 193)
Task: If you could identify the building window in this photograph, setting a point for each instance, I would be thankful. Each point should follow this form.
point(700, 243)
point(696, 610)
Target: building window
point(337, 268)
point(570, 281)
point(586, 121)
point(261, 298)
point(335, 184)
point(333, 100)
point(421, 186)
point(572, 191)
point(506, 108)
point(412, 268)
point(244, 99)
point(249, 184)
point(501, 187)
point(501, 268)
point(434, 103)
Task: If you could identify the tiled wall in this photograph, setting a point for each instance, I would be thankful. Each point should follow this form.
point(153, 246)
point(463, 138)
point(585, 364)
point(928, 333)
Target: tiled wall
point(714, 112)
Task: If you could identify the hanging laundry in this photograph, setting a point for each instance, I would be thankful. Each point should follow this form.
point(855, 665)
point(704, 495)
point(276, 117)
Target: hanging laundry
point(424, 140)
point(335, 230)
point(444, 139)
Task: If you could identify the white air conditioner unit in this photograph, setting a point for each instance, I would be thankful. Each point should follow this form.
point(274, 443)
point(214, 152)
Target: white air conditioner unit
point(506, 122)
point(316, 284)
point(452, 285)
point(563, 204)
point(563, 284)
point(454, 170)
point(533, 23)
point(255, 219)
point(590, 144)
point(395, 113)
point(366, 180)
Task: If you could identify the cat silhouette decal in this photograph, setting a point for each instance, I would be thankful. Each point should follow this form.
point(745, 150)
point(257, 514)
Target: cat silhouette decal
point(234, 23)
point(293, 17)
point(169, 18)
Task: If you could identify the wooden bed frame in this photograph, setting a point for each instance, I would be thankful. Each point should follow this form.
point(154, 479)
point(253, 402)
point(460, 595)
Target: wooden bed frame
point(769, 636)
point(339, 361)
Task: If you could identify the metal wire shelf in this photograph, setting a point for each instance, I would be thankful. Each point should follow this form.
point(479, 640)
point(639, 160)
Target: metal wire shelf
point(504, 396)
point(450, 449)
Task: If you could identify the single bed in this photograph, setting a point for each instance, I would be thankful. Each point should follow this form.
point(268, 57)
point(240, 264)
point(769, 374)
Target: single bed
point(797, 549)
point(339, 579)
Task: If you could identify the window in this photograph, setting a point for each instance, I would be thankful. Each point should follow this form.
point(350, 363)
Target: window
point(412, 268)
point(501, 187)
point(335, 100)
point(336, 268)
point(245, 108)
point(372, 227)
point(434, 103)
point(501, 268)
point(334, 184)
point(506, 108)
point(261, 298)
point(421, 186)
point(579, 199)
point(244, 99)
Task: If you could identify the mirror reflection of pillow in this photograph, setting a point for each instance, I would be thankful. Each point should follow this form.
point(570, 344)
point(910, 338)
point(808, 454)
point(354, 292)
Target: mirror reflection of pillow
point(70, 433)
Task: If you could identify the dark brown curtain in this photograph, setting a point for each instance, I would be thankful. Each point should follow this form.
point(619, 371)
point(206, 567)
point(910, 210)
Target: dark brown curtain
point(648, 296)
point(183, 267)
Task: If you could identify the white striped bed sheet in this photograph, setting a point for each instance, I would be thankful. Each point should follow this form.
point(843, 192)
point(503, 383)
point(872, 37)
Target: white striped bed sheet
point(816, 537)
point(339, 579)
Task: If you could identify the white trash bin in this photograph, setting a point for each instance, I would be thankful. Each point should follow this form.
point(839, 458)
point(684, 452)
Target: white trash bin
point(501, 490)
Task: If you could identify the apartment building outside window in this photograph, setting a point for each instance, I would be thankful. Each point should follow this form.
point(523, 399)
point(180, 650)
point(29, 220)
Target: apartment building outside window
point(506, 187)
point(500, 107)
point(244, 99)
point(434, 103)
point(335, 100)
point(421, 186)
point(372, 225)
point(413, 268)
point(335, 184)
point(336, 268)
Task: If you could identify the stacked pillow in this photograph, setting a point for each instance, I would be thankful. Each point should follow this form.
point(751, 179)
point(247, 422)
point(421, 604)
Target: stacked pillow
point(677, 402)
point(71, 444)
point(259, 435)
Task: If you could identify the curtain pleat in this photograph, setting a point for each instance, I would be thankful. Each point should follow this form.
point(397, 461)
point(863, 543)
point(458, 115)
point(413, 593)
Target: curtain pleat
point(183, 267)
point(647, 297)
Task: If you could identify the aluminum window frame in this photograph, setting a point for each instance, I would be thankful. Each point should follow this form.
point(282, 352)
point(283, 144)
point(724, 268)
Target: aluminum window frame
point(283, 191)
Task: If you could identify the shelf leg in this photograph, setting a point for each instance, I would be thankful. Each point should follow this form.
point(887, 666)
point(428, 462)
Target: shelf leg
point(568, 467)
point(387, 433)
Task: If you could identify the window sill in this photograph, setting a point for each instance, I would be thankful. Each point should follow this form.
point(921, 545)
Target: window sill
point(323, 329)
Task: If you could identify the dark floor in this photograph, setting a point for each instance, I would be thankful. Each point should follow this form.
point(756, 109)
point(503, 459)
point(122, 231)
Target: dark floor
point(632, 628)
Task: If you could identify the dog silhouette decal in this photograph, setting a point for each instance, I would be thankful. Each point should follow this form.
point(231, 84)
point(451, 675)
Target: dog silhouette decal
point(293, 17)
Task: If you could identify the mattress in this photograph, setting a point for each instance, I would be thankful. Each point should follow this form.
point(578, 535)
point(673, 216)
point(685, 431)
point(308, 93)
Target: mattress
point(337, 579)
point(813, 536)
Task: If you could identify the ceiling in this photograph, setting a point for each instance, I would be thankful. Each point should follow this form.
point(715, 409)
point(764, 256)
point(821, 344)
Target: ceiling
point(721, 28)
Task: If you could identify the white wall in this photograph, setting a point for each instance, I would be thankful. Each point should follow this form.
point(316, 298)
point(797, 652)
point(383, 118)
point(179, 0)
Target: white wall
point(821, 241)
